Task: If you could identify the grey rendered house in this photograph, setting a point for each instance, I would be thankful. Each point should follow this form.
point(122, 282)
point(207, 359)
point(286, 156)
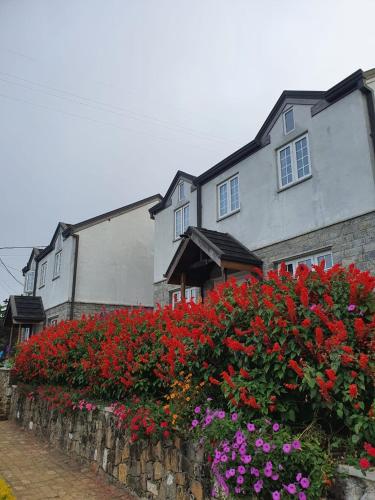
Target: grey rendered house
point(303, 190)
point(105, 262)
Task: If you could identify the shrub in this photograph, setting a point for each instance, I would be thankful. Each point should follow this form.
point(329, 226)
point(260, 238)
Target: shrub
point(298, 349)
point(5, 491)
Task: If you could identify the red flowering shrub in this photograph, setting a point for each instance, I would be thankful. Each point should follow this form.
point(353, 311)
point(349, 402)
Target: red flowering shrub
point(301, 348)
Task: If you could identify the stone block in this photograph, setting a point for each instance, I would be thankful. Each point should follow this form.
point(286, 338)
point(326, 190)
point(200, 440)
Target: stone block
point(158, 470)
point(180, 478)
point(135, 468)
point(158, 451)
point(126, 452)
point(196, 489)
point(123, 471)
point(153, 488)
point(172, 460)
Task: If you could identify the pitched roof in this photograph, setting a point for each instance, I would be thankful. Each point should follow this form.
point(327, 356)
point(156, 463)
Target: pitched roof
point(162, 204)
point(25, 309)
point(69, 229)
point(221, 248)
point(34, 253)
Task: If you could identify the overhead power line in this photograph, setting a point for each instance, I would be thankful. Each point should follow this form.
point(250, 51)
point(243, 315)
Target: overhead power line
point(12, 248)
point(9, 272)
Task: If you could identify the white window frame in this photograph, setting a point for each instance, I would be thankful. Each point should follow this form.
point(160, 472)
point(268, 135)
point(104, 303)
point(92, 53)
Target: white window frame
point(313, 257)
point(57, 264)
point(192, 294)
point(184, 223)
point(229, 211)
point(52, 321)
point(43, 273)
point(181, 190)
point(284, 120)
point(29, 281)
point(25, 333)
point(293, 155)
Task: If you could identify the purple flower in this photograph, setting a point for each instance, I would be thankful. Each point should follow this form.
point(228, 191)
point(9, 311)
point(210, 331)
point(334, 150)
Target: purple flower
point(276, 495)
point(299, 477)
point(194, 423)
point(217, 454)
point(224, 458)
point(240, 480)
point(242, 449)
point(233, 455)
point(266, 447)
point(302, 496)
point(208, 420)
point(291, 488)
point(267, 472)
point(351, 307)
point(275, 428)
point(246, 459)
point(296, 444)
point(237, 489)
point(226, 449)
point(254, 471)
point(241, 469)
point(197, 409)
point(250, 427)
point(221, 414)
point(209, 399)
point(305, 483)
point(275, 477)
point(258, 486)
point(234, 417)
point(259, 442)
point(287, 448)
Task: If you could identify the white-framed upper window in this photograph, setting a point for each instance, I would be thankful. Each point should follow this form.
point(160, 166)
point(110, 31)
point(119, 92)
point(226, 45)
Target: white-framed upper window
point(228, 194)
point(181, 191)
point(29, 281)
point(288, 120)
point(310, 260)
point(181, 221)
point(57, 264)
point(43, 272)
point(192, 294)
point(294, 161)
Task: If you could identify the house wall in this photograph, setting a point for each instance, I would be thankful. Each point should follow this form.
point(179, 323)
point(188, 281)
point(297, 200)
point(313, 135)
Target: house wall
point(165, 243)
point(115, 260)
point(341, 186)
point(57, 290)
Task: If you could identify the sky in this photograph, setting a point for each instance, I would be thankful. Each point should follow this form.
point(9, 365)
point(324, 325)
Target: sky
point(101, 101)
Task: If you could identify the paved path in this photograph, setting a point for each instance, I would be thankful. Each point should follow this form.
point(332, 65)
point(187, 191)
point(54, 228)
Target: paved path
point(37, 472)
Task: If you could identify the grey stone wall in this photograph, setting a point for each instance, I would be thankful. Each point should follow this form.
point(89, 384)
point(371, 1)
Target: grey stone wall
point(5, 393)
point(352, 241)
point(169, 469)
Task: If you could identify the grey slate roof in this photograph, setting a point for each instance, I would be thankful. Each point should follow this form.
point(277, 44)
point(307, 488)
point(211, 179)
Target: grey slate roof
point(25, 309)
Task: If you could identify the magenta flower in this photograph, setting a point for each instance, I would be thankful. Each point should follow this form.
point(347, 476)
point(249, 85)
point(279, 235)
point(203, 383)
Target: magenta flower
point(241, 469)
point(258, 486)
point(266, 447)
point(234, 417)
point(221, 414)
point(259, 442)
point(275, 477)
point(268, 472)
point(299, 477)
point(302, 496)
point(287, 448)
point(237, 489)
point(246, 459)
point(305, 483)
point(240, 480)
point(197, 409)
point(296, 444)
point(224, 458)
point(291, 488)
point(250, 427)
point(254, 471)
point(276, 495)
point(194, 423)
point(351, 307)
point(233, 455)
point(275, 428)
point(226, 449)
point(208, 420)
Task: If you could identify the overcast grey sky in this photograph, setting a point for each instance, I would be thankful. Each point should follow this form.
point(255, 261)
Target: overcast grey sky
point(101, 101)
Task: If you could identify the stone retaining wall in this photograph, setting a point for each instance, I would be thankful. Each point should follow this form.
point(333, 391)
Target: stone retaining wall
point(5, 393)
point(170, 470)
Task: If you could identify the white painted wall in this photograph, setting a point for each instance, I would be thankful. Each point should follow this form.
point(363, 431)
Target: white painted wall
point(57, 290)
point(342, 183)
point(165, 244)
point(115, 260)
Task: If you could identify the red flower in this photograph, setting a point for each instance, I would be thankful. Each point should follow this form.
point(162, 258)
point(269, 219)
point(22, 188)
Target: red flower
point(363, 361)
point(331, 374)
point(295, 367)
point(364, 463)
point(369, 449)
point(306, 323)
point(353, 391)
point(319, 336)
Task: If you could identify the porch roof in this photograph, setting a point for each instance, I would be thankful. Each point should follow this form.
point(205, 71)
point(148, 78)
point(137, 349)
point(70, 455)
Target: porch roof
point(24, 309)
point(200, 248)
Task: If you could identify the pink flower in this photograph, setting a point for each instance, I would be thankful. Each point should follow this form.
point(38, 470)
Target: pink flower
point(275, 428)
point(250, 427)
point(287, 448)
point(197, 409)
point(305, 483)
point(291, 488)
point(259, 442)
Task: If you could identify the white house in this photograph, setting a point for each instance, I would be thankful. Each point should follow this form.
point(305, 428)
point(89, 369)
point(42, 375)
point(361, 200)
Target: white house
point(302, 191)
point(105, 262)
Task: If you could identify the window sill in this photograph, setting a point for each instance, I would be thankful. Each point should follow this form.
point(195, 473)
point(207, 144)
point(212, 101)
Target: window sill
point(55, 278)
point(292, 184)
point(41, 286)
point(228, 215)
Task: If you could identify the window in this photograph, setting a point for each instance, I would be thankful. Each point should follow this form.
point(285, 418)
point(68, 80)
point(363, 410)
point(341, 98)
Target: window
point(57, 264)
point(191, 295)
point(288, 118)
point(52, 321)
point(310, 260)
point(29, 281)
point(228, 196)
point(294, 161)
point(43, 272)
point(181, 221)
point(25, 334)
point(181, 191)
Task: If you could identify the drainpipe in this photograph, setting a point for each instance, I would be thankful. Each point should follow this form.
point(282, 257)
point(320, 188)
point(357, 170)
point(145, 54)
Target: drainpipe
point(76, 239)
point(368, 93)
point(199, 205)
point(35, 276)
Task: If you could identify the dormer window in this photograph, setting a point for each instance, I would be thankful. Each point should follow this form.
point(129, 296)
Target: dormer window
point(181, 191)
point(181, 221)
point(288, 118)
point(43, 272)
point(58, 254)
point(29, 282)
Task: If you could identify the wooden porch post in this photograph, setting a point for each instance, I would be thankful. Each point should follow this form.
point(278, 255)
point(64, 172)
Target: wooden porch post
point(19, 334)
point(224, 274)
point(183, 285)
